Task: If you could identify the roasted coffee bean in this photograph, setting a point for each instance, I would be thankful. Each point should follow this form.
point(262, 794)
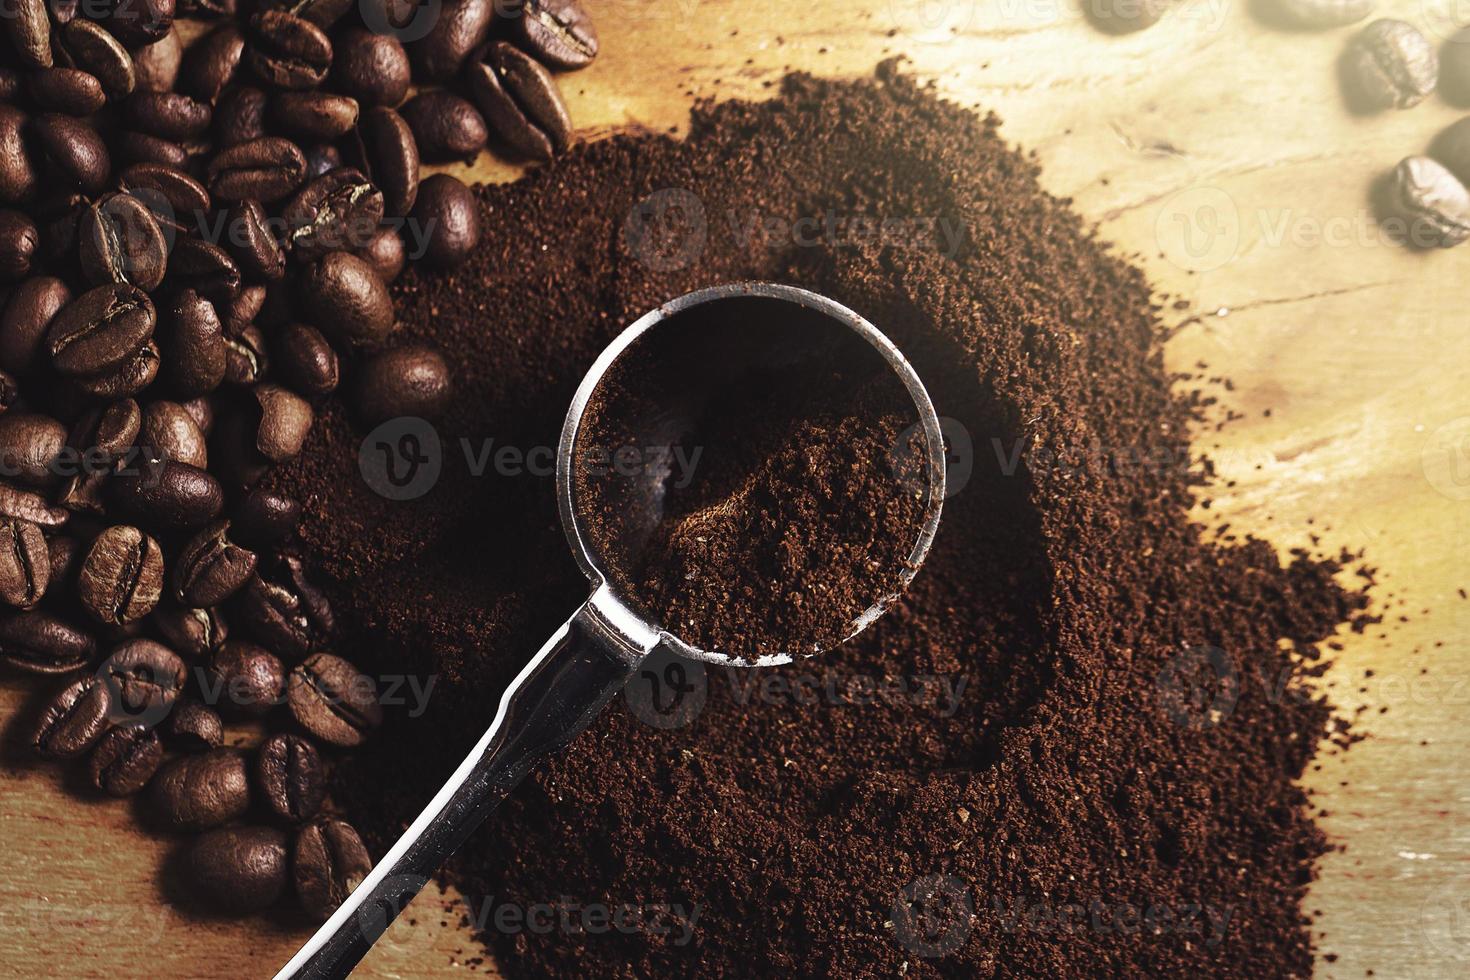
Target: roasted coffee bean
point(69, 90)
point(461, 26)
point(194, 363)
point(30, 506)
point(242, 311)
point(64, 554)
point(25, 564)
point(26, 318)
point(344, 296)
point(1390, 65)
point(178, 201)
point(29, 28)
point(322, 13)
point(194, 633)
point(447, 213)
point(389, 155)
point(386, 254)
point(105, 434)
point(17, 169)
point(204, 267)
point(388, 16)
point(97, 52)
point(145, 677)
point(194, 728)
point(332, 701)
point(328, 862)
point(314, 115)
point(284, 611)
point(137, 22)
point(246, 361)
point(73, 720)
point(76, 154)
point(402, 381)
point(132, 147)
point(1430, 202)
point(170, 432)
point(520, 100)
point(19, 242)
point(195, 792)
point(121, 577)
point(39, 643)
point(201, 410)
point(119, 241)
point(30, 447)
point(305, 360)
point(370, 67)
point(101, 330)
point(339, 210)
point(445, 127)
point(264, 518)
point(238, 870)
point(135, 374)
point(558, 33)
point(247, 680)
point(265, 169)
point(321, 159)
point(170, 115)
point(290, 777)
point(211, 62)
point(287, 51)
point(124, 760)
point(285, 422)
point(157, 64)
point(211, 567)
point(239, 116)
point(165, 494)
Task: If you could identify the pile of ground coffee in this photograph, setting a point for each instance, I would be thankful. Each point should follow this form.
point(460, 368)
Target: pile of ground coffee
point(1072, 750)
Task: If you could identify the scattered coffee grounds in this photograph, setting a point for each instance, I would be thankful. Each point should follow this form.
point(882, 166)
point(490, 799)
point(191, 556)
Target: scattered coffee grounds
point(744, 472)
point(1072, 750)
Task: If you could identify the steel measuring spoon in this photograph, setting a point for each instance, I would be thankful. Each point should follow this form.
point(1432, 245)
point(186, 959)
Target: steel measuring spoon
point(593, 654)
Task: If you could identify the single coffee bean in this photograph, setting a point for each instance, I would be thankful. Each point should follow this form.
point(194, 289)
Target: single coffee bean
point(322, 13)
point(104, 435)
point(121, 577)
point(238, 869)
point(133, 147)
point(290, 777)
point(178, 202)
point(305, 360)
point(285, 422)
point(29, 28)
point(447, 213)
point(239, 115)
point(386, 254)
point(445, 127)
point(137, 22)
point(124, 760)
point(1320, 14)
point(211, 567)
point(381, 15)
point(558, 33)
point(135, 374)
point(520, 100)
point(242, 311)
point(17, 169)
point(20, 240)
point(389, 155)
point(170, 115)
point(248, 679)
point(64, 553)
point(194, 633)
point(165, 494)
point(314, 116)
point(410, 380)
point(100, 330)
point(284, 611)
point(211, 62)
point(170, 432)
point(30, 445)
point(145, 677)
point(73, 720)
point(98, 53)
point(1430, 201)
point(194, 728)
point(461, 26)
point(195, 360)
point(328, 861)
point(39, 643)
point(339, 210)
point(370, 67)
point(343, 296)
point(157, 64)
point(332, 701)
point(25, 564)
point(196, 792)
point(321, 159)
point(69, 90)
point(265, 169)
point(288, 52)
point(25, 320)
point(75, 152)
point(201, 410)
point(265, 518)
point(1390, 65)
point(120, 241)
point(30, 506)
point(246, 361)
point(205, 268)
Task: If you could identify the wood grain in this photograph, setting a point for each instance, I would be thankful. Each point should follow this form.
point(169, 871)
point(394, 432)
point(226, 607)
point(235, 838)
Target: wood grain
point(1219, 152)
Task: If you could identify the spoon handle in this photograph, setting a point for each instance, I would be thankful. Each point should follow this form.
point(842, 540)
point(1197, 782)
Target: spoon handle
point(586, 661)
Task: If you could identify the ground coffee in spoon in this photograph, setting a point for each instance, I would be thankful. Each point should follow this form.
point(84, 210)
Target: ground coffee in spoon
point(1072, 750)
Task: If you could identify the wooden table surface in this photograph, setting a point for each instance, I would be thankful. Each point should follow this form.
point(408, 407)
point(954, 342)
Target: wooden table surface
point(1217, 149)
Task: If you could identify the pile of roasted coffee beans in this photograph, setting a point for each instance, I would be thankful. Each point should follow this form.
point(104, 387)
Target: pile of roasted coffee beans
point(1425, 201)
point(195, 245)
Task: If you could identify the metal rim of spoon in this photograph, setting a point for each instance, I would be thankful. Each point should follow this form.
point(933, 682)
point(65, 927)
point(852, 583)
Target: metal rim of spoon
point(586, 661)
